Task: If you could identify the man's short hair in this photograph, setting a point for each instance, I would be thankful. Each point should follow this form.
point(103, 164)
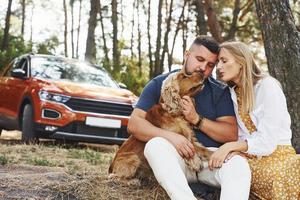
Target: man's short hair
point(209, 42)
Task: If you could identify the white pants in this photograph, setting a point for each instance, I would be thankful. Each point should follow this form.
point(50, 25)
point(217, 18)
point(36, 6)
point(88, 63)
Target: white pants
point(173, 175)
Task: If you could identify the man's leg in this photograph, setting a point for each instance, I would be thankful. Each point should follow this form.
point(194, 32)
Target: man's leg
point(169, 168)
point(234, 178)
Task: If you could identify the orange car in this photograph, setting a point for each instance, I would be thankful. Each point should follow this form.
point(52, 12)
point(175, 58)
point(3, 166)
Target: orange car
point(54, 97)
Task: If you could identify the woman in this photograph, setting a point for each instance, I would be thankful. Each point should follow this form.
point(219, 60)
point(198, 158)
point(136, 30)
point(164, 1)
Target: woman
point(264, 126)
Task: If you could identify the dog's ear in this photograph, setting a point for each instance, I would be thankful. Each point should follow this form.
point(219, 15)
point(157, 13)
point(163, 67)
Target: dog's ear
point(170, 98)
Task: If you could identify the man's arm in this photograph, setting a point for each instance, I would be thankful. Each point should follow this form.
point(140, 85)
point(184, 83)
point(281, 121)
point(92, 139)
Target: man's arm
point(143, 130)
point(224, 129)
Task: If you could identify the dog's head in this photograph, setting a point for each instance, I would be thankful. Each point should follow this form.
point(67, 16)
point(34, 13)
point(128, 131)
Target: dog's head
point(190, 84)
point(177, 85)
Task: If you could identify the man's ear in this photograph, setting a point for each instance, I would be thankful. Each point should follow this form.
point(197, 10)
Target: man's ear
point(186, 53)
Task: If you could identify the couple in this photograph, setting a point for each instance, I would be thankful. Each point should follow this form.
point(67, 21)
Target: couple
point(247, 124)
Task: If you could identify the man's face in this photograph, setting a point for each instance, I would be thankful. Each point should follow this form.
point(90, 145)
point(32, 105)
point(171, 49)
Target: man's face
point(199, 59)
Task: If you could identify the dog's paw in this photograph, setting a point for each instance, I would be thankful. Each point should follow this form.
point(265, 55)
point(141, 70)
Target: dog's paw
point(195, 163)
point(112, 176)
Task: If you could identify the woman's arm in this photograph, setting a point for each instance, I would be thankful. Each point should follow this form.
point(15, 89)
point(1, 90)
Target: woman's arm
point(219, 156)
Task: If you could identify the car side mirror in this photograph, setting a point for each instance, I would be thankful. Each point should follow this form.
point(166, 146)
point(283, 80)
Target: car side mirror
point(18, 73)
point(122, 85)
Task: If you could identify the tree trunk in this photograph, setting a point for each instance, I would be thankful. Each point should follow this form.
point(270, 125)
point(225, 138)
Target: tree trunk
point(212, 21)
point(5, 41)
point(72, 28)
point(31, 26)
point(166, 37)
point(104, 39)
point(149, 41)
point(132, 30)
point(201, 22)
point(66, 29)
point(90, 51)
point(78, 28)
point(178, 27)
point(122, 18)
point(23, 17)
point(233, 27)
point(282, 47)
point(114, 20)
point(157, 70)
point(139, 39)
point(185, 30)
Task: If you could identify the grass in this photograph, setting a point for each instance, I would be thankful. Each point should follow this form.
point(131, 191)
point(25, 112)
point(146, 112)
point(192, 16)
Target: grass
point(3, 160)
point(65, 172)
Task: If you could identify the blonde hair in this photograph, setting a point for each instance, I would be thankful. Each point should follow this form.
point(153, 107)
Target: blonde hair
point(250, 73)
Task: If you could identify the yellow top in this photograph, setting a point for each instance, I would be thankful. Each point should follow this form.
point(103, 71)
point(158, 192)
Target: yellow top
point(244, 116)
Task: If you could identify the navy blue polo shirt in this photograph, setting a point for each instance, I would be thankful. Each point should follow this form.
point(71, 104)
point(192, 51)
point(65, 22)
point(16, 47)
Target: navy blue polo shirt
point(212, 102)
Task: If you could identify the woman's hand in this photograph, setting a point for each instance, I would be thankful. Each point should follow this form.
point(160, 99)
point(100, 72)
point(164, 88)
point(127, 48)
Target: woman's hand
point(218, 157)
point(189, 110)
point(183, 146)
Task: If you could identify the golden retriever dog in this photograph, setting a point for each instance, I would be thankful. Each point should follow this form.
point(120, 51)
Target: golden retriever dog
point(129, 161)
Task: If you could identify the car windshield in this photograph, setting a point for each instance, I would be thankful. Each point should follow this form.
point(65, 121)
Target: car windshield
point(70, 69)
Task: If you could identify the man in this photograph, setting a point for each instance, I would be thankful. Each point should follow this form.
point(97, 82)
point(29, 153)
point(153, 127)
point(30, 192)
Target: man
point(215, 123)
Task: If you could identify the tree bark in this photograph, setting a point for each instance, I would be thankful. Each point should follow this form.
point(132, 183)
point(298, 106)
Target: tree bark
point(139, 39)
point(23, 3)
point(157, 70)
point(104, 38)
point(282, 47)
point(132, 30)
point(178, 27)
point(5, 41)
point(90, 51)
point(212, 21)
point(166, 37)
point(201, 22)
point(72, 27)
point(78, 28)
point(66, 29)
point(31, 26)
point(233, 26)
point(116, 53)
point(149, 40)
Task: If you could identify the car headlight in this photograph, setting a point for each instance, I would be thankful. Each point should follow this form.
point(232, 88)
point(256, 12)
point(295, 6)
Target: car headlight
point(49, 96)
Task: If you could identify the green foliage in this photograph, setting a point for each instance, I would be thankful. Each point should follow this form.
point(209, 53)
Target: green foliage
point(17, 47)
point(48, 46)
point(133, 77)
point(39, 162)
point(92, 157)
point(3, 160)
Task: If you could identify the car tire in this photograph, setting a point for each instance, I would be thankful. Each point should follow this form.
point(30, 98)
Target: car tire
point(29, 135)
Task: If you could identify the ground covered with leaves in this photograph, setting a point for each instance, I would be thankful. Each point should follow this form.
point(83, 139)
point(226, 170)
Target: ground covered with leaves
point(53, 170)
point(48, 171)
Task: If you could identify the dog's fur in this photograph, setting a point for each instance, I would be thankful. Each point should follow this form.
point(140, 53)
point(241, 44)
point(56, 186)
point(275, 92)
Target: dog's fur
point(129, 161)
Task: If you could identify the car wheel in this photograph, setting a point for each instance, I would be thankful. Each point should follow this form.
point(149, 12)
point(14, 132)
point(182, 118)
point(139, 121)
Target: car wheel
point(29, 135)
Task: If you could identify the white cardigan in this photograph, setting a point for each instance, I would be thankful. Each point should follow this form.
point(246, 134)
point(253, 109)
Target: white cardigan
point(270, 116)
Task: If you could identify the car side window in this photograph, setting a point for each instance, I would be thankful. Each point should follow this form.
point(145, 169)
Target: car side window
point(16, 64)
point(23, 64)
point(10, 67)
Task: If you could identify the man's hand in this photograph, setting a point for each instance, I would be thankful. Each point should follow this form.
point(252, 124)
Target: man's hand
point(183, 146)
point(189, 110)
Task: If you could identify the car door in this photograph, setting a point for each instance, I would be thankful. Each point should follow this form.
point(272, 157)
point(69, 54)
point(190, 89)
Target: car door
point(12, 89)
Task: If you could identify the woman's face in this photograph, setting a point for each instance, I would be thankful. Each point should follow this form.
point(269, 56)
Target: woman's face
point(227, 67)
